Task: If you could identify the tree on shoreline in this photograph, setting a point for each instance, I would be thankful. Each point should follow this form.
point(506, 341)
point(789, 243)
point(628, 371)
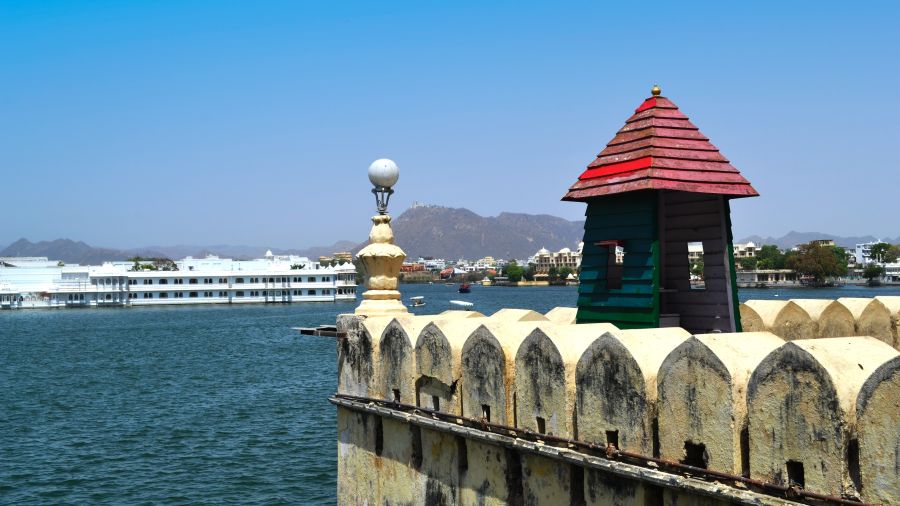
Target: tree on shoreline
point(872, 271)
point(818, 262)
point(514, 272)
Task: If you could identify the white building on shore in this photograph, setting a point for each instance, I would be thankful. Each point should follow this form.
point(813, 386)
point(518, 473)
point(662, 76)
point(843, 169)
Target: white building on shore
point(36, 282)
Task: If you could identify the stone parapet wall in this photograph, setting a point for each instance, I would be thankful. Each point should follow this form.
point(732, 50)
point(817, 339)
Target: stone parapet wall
point(817, 318)
point(818, 412)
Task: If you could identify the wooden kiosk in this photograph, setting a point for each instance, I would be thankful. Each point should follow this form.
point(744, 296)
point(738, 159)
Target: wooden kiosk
point(658, 187)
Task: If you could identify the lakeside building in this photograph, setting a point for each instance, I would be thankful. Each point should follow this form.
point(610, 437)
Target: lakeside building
point(544, 260)
point(744, 250)
point(862, 253)
point(36, 282)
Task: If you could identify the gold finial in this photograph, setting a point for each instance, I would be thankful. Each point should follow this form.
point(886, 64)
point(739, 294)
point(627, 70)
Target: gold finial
point(655, 90)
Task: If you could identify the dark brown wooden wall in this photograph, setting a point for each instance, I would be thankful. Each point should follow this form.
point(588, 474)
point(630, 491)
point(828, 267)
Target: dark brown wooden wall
point(695, 217)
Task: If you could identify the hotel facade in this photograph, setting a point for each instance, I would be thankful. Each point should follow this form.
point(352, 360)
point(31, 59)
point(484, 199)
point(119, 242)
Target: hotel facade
point(36, 282)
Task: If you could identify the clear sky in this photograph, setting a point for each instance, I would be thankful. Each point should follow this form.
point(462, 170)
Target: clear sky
point(127, 124)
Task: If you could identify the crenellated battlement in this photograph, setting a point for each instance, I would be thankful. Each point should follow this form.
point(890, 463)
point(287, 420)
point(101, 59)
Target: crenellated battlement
point(817, 412)
point(816, 318)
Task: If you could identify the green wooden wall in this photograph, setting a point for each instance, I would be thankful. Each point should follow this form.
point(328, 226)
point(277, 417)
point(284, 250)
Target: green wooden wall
point(630, 217)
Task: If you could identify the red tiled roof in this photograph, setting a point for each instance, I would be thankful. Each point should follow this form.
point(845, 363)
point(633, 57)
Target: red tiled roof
point(659, 149)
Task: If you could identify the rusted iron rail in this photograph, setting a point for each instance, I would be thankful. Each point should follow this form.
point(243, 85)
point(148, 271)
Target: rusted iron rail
point(612, 453)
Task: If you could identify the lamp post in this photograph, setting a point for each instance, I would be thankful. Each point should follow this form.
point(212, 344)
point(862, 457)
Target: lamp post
point(381, 258)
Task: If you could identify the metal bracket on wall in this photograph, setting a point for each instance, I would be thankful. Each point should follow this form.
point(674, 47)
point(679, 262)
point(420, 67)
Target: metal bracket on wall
point(321, 331)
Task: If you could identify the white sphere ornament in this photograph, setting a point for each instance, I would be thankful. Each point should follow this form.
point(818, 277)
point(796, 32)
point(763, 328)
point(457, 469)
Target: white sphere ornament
point(384, 173)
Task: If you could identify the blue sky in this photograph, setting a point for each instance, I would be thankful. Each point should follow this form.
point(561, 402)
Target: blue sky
point(127, 124)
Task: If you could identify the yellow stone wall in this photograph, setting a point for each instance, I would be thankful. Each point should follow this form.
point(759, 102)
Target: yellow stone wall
point(752, 401)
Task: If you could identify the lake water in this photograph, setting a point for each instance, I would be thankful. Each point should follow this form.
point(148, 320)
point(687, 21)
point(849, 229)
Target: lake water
point(195, 405)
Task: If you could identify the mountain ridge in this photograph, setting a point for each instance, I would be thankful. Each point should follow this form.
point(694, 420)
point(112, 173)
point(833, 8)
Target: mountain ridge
point(794, 238)
point(422, 230)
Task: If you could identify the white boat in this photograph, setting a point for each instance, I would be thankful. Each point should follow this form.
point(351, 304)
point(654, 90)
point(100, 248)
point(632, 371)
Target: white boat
point(462, 304)
point(417, 301)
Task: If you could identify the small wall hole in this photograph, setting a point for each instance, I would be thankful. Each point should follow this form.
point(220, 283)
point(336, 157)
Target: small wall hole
point(695, 455)
point(853, 464)
point(435, 403)
point(462, 455)
point(379, 436)
point(653, 495)
point(397, 395)
point(416, 436)
point(796, 476)
point(612, 438)
point(486, 412)
point(576, 486)
point(745, 452)
point(541, 425)
point(514, 487)
point(655, 430)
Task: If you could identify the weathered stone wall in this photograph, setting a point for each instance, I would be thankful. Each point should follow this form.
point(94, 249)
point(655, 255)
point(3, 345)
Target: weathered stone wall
point(816, 318)
point(821, 413)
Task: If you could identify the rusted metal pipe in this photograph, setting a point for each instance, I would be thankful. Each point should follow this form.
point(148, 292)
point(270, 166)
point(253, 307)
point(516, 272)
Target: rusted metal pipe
point(608, 451)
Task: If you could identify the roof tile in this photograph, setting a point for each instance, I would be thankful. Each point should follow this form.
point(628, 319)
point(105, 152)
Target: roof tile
point(659, 149)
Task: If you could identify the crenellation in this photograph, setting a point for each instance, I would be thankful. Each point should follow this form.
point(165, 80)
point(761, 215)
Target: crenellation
point(703, 397)
point(518, 315)
point(562, 315)
point(830, 317)
point(743, 403)
point(396, 380)
point(802, 411)
point(892, 303)
point(545, 385)
point(616, 386)
point(819, 318)
point(878, 435)
point(870, 317)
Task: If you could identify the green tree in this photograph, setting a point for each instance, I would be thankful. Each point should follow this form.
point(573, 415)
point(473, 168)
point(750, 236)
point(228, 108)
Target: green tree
point(818, 262)
point(564, 272)
point(872, 271)
point(770, 257)
point(697, 267)
point(530, 272)
point(747, 264)
point(514, 272)
point(892, 254)
point(553, 273)
point(879, 252)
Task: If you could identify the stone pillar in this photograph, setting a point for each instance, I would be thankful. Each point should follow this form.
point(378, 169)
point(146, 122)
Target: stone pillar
point(381, 261)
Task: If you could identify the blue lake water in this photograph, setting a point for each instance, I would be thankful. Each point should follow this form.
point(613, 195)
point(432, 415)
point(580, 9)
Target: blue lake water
point(195, 405)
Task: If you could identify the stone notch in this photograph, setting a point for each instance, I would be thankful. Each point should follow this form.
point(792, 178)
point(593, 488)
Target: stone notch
point(659, 149)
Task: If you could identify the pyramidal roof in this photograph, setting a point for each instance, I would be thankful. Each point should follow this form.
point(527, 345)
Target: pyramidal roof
point(659, 149)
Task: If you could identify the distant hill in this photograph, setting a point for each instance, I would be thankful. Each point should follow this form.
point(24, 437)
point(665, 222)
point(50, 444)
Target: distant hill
point(69, 251)
point(248, 252)
point(453, 233)
point(78, 252)
point(793, 238)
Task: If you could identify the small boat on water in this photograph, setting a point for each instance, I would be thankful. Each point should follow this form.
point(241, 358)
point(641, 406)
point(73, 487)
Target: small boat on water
point(462, 304)
point(417, 301)
point(465, 288)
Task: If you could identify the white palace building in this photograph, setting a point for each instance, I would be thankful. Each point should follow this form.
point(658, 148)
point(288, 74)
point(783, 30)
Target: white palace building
point(36, 282)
